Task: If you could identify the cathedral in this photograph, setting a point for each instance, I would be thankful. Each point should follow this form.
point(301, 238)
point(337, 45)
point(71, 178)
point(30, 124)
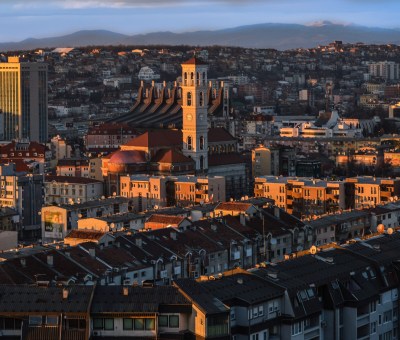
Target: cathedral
point(195, 149)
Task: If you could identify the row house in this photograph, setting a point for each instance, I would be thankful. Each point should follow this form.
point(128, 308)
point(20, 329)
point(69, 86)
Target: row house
point(345, 292)
point(348, 292)
point(341, 227)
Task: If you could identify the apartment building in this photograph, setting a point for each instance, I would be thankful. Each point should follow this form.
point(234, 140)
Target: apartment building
point(73, 167)
point(67, 189)
point(369, 191)
point(302, 197)
point(147, 192)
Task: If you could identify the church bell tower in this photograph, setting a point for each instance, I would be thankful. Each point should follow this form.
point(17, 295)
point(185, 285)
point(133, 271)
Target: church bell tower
point(194, 107)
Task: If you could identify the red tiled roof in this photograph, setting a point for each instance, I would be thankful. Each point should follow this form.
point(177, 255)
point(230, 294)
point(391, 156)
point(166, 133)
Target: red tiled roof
point(86, 234)
point(165, 219)
point(166, 138)
point(171, 156)
point(194, 61)
point(233, 206)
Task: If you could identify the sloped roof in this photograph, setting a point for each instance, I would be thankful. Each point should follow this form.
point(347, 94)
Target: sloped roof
point(157, 138)
point(219, 135)
point(194, 61)
point(171, 156)
point(165, 219)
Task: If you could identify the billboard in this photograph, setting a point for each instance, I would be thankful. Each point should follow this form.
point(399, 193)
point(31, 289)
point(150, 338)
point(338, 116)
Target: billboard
point(53, 224)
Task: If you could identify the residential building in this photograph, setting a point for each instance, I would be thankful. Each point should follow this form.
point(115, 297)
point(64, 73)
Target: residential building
point(67, 189)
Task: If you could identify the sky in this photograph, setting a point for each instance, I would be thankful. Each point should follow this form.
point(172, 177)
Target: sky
point(21, 19)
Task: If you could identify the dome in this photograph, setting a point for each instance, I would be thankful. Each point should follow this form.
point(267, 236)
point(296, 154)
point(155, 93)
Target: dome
point(127, 157)
point(123, 160)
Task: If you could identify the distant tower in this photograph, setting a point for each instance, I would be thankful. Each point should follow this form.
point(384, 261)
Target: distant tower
point(194, 106)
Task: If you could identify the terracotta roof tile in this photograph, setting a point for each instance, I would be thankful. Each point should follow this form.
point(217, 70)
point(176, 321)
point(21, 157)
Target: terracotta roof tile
point(171, 156)
point(233, 206)
point(166, 219)
point(166, 138)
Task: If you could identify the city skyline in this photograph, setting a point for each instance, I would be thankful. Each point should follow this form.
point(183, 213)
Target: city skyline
point(39, 19)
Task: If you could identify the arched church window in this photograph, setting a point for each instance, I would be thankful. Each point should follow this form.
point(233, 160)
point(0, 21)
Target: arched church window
point(204, 78)
point(185, 78)
point(201, 143)
point(198, 78)
point(201, 99)
point(191, 78)
point(189, 99)
point(189, 142)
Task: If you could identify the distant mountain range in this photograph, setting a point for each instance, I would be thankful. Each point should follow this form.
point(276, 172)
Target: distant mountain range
point(279, 36)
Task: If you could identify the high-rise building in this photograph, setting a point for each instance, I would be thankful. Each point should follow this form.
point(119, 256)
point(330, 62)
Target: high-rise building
point(23, 100)
point(388, 70)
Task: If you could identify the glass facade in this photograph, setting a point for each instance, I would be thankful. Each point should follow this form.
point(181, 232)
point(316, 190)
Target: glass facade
point(23, 101)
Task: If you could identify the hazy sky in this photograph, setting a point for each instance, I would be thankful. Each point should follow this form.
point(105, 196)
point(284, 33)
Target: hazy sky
point(20, 19)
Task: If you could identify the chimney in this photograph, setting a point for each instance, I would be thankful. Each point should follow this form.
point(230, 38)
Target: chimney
point(138, 242)
point(50, 260)
point(65, 293)
point(92, 252)
point(172, 234)
point(125, 291)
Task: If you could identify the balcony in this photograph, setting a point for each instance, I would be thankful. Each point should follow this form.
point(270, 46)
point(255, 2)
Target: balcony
point(297, 194)
point(386, 194)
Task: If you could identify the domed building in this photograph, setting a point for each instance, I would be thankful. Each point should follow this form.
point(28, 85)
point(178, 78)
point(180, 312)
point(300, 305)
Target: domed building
point(196, 149)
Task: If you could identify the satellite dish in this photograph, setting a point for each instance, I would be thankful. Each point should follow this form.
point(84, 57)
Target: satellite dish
point(390, 231)
point(380, 228)
point(313, 250)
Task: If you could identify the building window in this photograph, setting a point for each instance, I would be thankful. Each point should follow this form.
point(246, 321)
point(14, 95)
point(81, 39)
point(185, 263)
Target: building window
point(144, 324)
point(35, 320)
point(201, 142)
point(189, 99)
point(163, 321)
point(103, 324)
point(128, 324)
point(174, 321)
point(189, 142)
point(201, 99)
point(297, 328)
